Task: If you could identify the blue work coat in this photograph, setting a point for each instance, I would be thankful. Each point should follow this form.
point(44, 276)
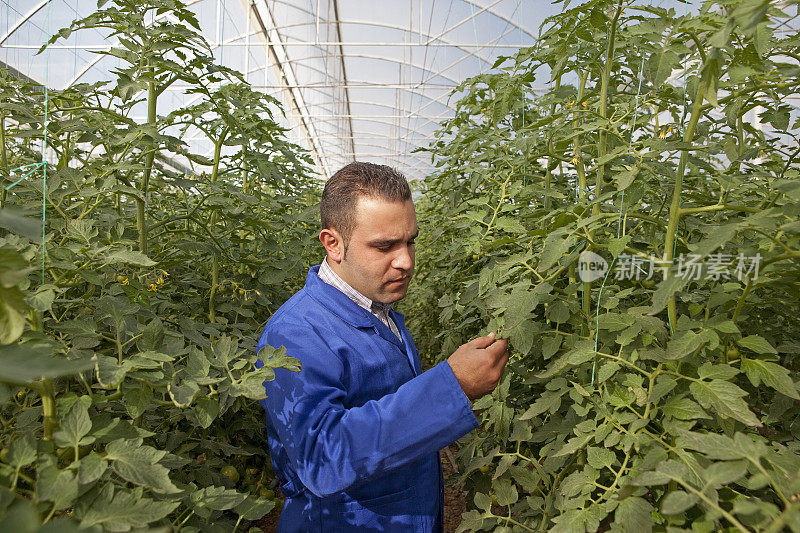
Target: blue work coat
point(354, 437)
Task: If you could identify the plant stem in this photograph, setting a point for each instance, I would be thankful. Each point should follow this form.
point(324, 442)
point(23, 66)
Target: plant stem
point(675, 206)
point(548, 173)
point(141, 217)
point(215, 259)
point(586, 304)
point(3, 159)
point(49, 422)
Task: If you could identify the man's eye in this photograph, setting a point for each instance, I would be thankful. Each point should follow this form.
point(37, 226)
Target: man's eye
point(384, 248)
point(411, 243)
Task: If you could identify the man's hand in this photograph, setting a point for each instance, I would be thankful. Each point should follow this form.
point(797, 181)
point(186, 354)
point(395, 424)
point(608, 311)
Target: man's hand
point(478, 365)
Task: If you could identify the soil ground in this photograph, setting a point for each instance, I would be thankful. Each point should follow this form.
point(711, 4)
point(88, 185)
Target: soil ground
point(454, 501)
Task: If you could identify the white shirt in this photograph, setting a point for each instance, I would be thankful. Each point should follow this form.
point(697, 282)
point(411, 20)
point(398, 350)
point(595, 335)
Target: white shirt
point(379, 309)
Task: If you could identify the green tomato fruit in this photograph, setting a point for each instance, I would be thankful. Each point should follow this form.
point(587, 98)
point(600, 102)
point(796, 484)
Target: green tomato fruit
point(266, 493)
point(648, 283)
point(732, 353)
point(230, 472)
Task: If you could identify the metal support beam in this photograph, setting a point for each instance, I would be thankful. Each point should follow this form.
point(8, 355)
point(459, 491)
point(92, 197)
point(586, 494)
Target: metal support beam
point(344, 70)
point(286, 77)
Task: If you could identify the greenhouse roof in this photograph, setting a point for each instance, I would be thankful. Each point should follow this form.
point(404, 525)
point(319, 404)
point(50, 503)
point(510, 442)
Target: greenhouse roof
point(358, 79)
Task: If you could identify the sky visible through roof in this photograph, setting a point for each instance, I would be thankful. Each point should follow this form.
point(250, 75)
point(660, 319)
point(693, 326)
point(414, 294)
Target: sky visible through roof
point(358, 79)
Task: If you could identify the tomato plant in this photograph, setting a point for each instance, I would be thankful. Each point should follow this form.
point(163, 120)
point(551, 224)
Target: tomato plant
point(656, 396)
point(128, 327)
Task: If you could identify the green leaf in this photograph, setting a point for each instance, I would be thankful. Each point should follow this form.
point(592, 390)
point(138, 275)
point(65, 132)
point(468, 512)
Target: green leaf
point(683, 409)
point(725, 472)
point(207, 410)
point(665, 290)
point(757, 344)
point(614, 321)
point(725, 398)
point(726, 326)
point(127, 509)
point(12, 322)
point(677, 501)
point(634, 515)
point(608, 369)
point(482, 501)
point(277, 358)
point(216, 498)
point(683, 344)
point(505, 491)
point(90, 468)
point(23, 363)
point(771, 374)
point(137, 400)
point(623, 180)
point(470, 521)
point(109, 372)
point(152, 336)
point(558, 312)
point(225, 350)
point(646, 479)
point(127, 257)
point(42, 299)
point(582, 352)
point(722, 371)
point(660, 65)
point(712, 445)
point(17, 221)
point(617, 245)
point(74, 428)
point(510, 224)
point(547, 401)
point(254, 508)
point(183, 394)
point(22, 451)
point(521, 303)
point(600, 458)
point(573, 445)
point(139, 464)
point(523, 336)
point(57, 486)
point(555, 246)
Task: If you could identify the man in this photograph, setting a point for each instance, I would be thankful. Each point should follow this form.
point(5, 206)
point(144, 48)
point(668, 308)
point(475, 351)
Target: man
point(354, 436)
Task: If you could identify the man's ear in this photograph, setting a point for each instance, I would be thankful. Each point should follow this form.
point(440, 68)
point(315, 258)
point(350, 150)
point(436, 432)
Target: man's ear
point(333, 243)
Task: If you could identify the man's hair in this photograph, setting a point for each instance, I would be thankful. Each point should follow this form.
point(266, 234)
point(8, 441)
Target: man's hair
point(353, 181)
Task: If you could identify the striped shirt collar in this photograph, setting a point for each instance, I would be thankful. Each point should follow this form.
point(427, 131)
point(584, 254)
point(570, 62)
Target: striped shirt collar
point(330, 277)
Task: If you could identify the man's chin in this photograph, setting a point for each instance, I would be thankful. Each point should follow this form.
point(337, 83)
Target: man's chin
point(390, 296)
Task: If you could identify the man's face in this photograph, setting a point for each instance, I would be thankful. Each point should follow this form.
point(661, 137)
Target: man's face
point(380, 255)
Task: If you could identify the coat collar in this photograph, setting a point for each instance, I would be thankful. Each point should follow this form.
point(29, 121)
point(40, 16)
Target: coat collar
point(336, 301)
point(340, 305)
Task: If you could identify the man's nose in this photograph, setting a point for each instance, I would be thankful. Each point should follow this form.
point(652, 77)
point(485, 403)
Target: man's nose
point(404, 260)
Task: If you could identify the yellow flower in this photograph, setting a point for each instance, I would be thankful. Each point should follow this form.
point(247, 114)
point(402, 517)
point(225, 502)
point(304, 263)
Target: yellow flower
point(160, 281)
point(153, 287)
point(663, 133)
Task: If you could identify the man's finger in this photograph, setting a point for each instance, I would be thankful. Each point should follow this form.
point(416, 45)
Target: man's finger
point(498, 349)
point(482, 342)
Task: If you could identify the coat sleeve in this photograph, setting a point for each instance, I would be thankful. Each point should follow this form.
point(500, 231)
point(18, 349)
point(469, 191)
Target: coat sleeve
point(332, 447)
